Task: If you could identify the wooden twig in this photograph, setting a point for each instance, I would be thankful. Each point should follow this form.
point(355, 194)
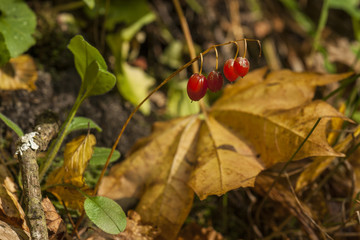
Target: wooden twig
point(28, 146)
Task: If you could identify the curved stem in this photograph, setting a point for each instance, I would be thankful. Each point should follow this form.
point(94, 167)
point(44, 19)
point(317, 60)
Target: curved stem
point(217, 59)
point(245, 48)
point(237, 50)
point(201, 63)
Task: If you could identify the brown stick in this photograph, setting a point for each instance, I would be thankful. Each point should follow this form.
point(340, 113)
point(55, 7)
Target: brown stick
point(28, 146)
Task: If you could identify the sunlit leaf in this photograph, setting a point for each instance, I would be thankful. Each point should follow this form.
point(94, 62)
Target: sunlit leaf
point(76, 157)
point(178, 104)
point(134, 85)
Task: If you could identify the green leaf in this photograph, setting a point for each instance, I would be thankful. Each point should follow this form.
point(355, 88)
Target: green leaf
point(97, 81)
point(80, 123)
point(101, 154)
point(12, 125)
point(351, 7)
point(84, 55)
point(133, 84)
point(178, 103)
point(90, 3)
point(106, 214)
point(129, 32)
point(126, 12)
point(5, 55)
point(195, 6)
point(173, 54)
point(17, 24)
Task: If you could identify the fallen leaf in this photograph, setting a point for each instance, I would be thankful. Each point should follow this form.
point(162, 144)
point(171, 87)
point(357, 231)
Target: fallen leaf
point(19, 73)
point(76, 157)
point(194, 231)
point(10, 209)
point(55, 224)
point(135, 230)
point(259, 121)
point(8, 232)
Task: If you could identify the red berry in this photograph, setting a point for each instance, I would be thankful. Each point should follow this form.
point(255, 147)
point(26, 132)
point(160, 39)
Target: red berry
point(215, 81)
point(229, 71)
point(196, 87)
point(241, 66)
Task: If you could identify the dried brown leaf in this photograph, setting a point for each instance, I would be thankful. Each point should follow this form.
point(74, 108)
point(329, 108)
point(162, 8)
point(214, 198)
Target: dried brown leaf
point(55, 224)
point(10, 209)
point(19, 73)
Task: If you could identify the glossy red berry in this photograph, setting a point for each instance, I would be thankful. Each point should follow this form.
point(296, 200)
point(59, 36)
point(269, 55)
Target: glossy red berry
point(241, 66)
point(215, 81)
point(196, 87)
point(229, 70)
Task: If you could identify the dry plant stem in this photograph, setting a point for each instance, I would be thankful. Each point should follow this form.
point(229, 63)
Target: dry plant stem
point(40, 139)
point(70, 219)
point(186, 31)
point(237, 49)
point(201, 64)
point(245, 47)
point(257, 214)
point(217, 59)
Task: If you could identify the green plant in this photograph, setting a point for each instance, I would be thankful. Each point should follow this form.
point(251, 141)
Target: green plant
point(17, 24)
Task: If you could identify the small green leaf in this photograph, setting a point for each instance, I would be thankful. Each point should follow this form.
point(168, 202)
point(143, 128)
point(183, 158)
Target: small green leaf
point(12, 125)
point(84, 55)
point(351, 7)
point(97, 81)
point(5, 55)
point(128, 33)
point(106, 214)
point(134, 84)
point(80, 123)
point(178, 103)
point(101, 154)
point(126, 12)
point(90, 3)
point(17, 24)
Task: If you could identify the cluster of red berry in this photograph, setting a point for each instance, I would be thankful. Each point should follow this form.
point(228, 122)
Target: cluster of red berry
point(198, 83)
